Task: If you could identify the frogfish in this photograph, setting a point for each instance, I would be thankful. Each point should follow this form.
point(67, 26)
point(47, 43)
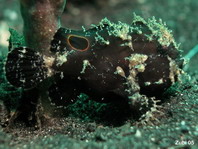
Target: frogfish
point(109, 62)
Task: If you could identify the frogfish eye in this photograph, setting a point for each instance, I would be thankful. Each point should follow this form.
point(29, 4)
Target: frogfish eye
point(78, 43)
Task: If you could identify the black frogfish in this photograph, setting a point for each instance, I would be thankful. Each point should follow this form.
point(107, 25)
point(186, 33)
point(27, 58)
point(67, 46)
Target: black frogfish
point(108, 62)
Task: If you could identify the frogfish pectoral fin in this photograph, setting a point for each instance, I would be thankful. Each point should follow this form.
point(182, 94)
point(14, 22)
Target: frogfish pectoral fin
point(25, 68)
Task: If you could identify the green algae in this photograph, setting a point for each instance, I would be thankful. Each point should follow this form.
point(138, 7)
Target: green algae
point(91, 111)
point(157, 31)
point(9, 94)
point(16, 39)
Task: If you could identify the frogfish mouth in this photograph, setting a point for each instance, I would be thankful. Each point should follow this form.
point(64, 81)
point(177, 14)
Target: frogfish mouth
point(108, 62)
